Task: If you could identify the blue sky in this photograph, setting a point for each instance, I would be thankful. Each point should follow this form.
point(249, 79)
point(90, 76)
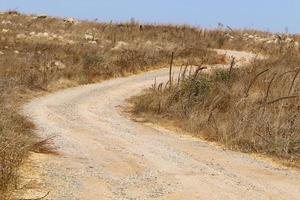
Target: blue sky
point(272, 15)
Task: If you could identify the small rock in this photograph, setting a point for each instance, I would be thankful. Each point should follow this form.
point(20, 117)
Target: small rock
point(70, 20)
point(1, 53)
point(88, 37)
point(148, 43)
point(42, 16)
point(70, 42)
point(89, 32)
point(6, 22)
point(21, 36)
point(13, 12)
point(45, 35)
point(59, 65)
point(16, 52)
point(5, 30)
point(107, 41)
point(32, 33)
point(120, 45)
point(92, 42)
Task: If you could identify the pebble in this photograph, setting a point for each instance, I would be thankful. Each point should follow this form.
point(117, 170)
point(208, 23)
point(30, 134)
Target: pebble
point(42, 16)
point(21, 36)
point(88, 37)
point(59, 65)
point(70, 20)
point(92, 42)
point(6, 22)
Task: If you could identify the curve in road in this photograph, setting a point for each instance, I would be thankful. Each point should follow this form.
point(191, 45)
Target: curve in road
point(104, 155)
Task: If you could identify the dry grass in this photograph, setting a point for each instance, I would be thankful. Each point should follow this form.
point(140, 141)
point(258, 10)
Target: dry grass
point(41, 53)
point(15, 141)
point(252, 109)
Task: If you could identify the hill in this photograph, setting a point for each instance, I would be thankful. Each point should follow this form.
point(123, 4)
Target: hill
point(40, 54)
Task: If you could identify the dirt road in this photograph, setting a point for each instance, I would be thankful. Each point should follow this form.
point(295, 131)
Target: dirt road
point(104, 155)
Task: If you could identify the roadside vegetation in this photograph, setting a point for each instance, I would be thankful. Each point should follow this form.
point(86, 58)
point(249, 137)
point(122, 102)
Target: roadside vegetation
point(39, 54)
point(251, 109)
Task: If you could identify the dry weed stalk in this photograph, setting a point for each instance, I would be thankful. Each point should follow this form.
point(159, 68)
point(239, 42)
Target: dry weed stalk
point(219, 107)
point(253, 81)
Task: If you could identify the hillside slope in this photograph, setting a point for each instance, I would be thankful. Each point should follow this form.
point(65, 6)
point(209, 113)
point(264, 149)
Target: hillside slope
point(41, 54)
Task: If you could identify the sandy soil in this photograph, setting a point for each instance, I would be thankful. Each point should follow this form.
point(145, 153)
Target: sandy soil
point(104, 155)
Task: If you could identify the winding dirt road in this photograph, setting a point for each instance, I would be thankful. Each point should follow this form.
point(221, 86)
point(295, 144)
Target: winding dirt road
point(105, 155)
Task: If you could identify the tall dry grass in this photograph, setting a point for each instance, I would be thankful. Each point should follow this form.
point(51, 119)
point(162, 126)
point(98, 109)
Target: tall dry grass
point(251, 109)
point(42, 54)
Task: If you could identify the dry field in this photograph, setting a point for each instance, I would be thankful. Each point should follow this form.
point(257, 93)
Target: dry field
point(254, 108)
point(42, 54)
point(39, 54)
